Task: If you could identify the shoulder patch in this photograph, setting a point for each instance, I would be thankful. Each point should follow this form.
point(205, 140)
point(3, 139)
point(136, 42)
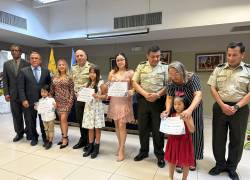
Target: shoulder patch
point(143, 62)
point(221, 65)
point(247, 65)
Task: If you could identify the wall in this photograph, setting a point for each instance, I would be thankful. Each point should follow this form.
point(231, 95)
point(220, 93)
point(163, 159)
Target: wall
point(183, 50)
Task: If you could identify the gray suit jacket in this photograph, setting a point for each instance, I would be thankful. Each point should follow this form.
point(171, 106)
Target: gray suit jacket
point(10, 78)
point(28, 87)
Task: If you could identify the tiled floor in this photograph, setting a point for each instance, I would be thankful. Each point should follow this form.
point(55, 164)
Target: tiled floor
point(22, 161)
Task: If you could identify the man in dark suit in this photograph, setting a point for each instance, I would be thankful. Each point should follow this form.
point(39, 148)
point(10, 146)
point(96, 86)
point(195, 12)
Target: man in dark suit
point(30, 81)
point(11, 69)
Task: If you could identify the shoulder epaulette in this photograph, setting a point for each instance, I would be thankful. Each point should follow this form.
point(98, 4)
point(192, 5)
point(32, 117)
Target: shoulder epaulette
point(247, 65)
point(164, 63)
point(221, 65)
point(91, 64)
point(143, 62)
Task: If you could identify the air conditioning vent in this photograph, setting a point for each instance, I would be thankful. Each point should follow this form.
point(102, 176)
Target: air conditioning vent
point(138, 20)
point(240, 28)
point(10, 19)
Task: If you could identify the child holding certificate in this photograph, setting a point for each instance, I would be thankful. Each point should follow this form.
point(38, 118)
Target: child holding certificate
point(179, 149)
point(93, 118)
point(46, 108)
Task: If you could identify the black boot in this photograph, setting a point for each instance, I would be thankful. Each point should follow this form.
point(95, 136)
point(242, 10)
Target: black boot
point(89, 150)
point(81, 143)
point(95, 151)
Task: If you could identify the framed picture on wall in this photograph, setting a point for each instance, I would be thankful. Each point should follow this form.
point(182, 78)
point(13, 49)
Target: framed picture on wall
point(112, 63)
point(166, 56)
point(206, 62)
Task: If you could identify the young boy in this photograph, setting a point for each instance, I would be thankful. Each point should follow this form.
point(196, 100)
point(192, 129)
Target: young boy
point(46, 108)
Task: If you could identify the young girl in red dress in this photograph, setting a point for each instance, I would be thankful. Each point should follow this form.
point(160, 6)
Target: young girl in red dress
point(179, 149)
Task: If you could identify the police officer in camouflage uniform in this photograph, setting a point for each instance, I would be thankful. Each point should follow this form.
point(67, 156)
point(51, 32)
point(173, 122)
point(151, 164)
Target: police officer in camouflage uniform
point(149, 81)
point(230, 86)
point(80, 76)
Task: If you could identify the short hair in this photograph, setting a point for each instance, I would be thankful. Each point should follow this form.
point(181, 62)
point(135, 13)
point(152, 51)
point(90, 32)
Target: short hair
point(83, 52)
point(35, 52)
point(180, 68)
point(233, 45)
point(16, 46)
point(153, 49)
point(46, 87)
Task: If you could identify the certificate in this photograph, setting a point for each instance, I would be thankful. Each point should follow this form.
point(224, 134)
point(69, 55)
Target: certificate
point(85, 94)
point(172, 126)
point(44, 107)
point(118, 89)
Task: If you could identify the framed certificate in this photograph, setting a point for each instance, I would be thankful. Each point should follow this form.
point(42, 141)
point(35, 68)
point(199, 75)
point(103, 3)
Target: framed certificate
point(118, 89)
point(172, 126)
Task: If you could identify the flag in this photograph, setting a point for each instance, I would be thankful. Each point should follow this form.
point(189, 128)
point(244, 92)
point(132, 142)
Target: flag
point(52, 62)
point(73, 58)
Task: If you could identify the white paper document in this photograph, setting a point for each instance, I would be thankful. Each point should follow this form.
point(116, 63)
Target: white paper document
point(118, 89)
point(85, 94)
point(172, 126)
point(44, 107)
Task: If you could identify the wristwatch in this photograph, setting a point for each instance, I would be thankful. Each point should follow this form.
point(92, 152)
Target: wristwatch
point(236, 107)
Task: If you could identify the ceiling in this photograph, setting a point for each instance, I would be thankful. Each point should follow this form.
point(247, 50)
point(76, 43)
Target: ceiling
point(185, 32)
point(212, 30)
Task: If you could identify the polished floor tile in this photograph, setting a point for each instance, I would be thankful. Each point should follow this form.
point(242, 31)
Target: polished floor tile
point(54, 170)
point(88, 174)
point(20, 161)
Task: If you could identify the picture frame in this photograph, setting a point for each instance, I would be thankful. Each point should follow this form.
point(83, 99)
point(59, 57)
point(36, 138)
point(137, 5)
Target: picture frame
point(206, 62)
point(166, 56)
point(112, 63)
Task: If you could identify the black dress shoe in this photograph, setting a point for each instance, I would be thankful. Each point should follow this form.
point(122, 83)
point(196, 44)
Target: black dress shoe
point(65, 145)
point(48, 145)
point(28, 138)
point(233, 175)
point(85, 148)
point(79, 145)
point(216, 170)
point(17, 138)
point(179, 169)
point(140, 156)
point(33, 142)
point(161, 163)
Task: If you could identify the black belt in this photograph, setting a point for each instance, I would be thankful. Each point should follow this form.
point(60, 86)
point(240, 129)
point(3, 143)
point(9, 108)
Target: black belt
point(230, 103)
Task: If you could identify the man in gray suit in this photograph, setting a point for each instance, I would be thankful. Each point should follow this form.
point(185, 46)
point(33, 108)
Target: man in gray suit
point(10, 71)
point(30, 81)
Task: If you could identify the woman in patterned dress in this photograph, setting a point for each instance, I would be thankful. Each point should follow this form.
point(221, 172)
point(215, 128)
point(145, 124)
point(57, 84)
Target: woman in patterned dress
point(62, 89)
point(120, 108)
point(189, 84)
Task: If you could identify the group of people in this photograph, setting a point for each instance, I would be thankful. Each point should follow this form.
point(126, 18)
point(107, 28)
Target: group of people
point(162, 90)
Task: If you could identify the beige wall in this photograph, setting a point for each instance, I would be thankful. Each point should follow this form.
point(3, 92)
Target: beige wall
point(183, 50)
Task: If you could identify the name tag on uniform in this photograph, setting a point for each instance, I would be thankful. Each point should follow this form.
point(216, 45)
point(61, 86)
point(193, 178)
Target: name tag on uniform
point(172, 126)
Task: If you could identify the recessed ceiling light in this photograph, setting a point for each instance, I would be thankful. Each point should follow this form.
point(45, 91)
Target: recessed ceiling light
point(47, 1)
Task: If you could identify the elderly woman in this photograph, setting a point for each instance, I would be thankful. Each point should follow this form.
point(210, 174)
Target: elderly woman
point(188, 83)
